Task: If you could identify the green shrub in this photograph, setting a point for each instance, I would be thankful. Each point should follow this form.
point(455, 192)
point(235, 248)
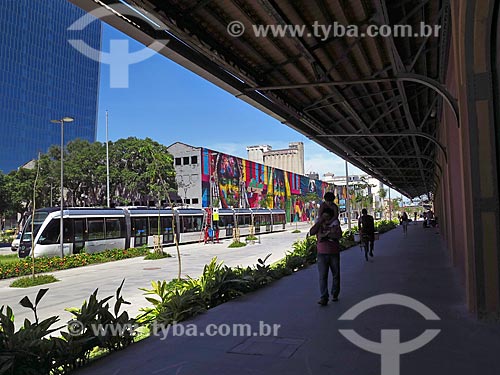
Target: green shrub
point(7, 259)
point(218, 284)
point(155, 255)
point(296, 231)
point(181, 305)
point(22, 266)
point(237, 244)
point(95, 313)
point(279, 270)
point(26, 282)
point(27, 351)
point(383, 226)
point(306, 249)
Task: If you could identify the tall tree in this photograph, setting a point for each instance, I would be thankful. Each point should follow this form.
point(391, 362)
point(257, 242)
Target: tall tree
point(85, 173)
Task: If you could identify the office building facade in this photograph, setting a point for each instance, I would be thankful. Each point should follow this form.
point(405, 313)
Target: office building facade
point(42, 77)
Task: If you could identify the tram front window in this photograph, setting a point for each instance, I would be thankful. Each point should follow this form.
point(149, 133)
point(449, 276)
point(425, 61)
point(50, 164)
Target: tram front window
point(39, 218)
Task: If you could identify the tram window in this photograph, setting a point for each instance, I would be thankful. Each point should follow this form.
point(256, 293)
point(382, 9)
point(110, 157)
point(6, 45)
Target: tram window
point(244, 220)
point(139, 226)
point(113, 228)
point(39, 219)
point(50, 234)
point(96, 229)
point(187, 223)
point(153, 224)
point(225, 221)
point(256, 220)
point(279, 218)
point(166, 224)
point(191, 223)
point(262, 220)
point(68, 230)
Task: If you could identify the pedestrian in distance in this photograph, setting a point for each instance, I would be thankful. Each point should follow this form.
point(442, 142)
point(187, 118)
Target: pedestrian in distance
point(328, 232)
point(366, 226)
point(415, 218)
point(404, 223)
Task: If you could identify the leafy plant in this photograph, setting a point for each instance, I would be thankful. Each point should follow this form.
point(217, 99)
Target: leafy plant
point(161, 289)
point(261, 274)
point(218, 284)
point(295, 262)
point(116, 332)
point(27, 351)
point(181, 305)
point(306, 249)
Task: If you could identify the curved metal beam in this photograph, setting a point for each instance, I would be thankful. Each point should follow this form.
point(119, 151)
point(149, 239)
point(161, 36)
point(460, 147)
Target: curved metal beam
point(403, 134)
point(434, 85)
point(397, 157)
point(409, 77)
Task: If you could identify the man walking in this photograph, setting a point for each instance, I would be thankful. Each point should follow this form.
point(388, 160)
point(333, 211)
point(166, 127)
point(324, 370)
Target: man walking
point(328, 232)
point(404, 223)
point(366, 226)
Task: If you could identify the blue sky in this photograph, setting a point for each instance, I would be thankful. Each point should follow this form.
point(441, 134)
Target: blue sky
point(168, 103)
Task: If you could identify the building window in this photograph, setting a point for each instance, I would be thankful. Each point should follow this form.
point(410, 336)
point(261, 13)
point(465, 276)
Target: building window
point(194, 159)
point(185, 160)
point(177, 161)
point(195, 201)
point(187, 201)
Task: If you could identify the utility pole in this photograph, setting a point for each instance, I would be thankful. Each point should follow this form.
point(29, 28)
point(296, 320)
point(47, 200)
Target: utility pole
point(347, 200)
point(107, 162)
point(390, 204)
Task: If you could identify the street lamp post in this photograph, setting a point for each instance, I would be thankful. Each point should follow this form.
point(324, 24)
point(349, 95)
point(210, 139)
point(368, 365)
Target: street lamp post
point(61, 233)
point(348, 200)
point(107, 163)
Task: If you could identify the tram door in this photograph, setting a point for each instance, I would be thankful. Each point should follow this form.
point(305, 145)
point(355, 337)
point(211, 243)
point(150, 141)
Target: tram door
point(79, 232)
point(168, 233)
point(139, 226)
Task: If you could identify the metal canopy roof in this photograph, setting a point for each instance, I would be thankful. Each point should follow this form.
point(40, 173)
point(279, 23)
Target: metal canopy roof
point(375, 101)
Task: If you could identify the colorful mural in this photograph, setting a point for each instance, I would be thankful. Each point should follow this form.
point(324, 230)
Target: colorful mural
point(229, 181)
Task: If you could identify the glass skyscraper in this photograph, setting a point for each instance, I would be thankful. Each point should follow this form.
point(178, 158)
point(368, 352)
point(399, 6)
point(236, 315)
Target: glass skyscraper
point(42, 77)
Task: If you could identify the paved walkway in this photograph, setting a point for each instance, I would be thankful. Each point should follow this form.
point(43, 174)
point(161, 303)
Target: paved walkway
point(77, 284)
point(308, 339)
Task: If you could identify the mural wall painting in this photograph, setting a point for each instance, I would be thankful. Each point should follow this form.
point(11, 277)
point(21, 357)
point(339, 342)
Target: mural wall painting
point(229, 181)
